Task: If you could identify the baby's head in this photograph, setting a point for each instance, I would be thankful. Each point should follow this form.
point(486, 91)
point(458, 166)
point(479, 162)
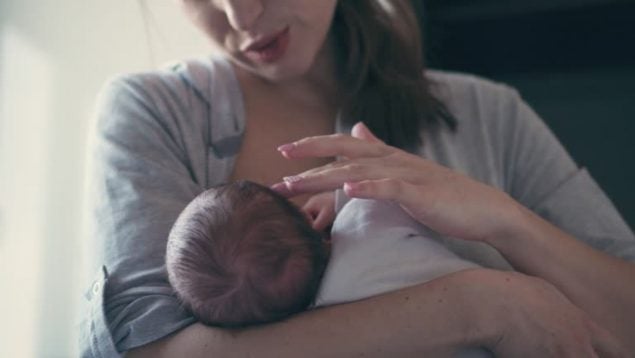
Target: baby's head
point(242, 254)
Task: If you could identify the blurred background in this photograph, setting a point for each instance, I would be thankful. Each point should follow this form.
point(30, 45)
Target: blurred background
point(572, 60)
point(54, 57)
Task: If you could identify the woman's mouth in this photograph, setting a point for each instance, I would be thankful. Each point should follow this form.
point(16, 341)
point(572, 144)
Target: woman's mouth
point(269, 49)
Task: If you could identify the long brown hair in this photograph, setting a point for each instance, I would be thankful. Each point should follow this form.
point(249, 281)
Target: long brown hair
point(381, 64)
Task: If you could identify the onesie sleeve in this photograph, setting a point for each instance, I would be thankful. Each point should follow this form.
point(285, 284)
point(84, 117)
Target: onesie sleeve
point(140, 178)
point(541, 175)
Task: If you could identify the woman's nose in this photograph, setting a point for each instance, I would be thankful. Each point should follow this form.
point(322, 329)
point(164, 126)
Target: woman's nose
point(242, 14)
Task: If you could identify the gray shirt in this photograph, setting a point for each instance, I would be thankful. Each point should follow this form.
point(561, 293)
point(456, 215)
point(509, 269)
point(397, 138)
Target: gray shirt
point(162, 137)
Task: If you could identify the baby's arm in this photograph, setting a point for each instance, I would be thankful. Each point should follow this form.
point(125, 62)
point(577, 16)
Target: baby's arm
point(320, 210)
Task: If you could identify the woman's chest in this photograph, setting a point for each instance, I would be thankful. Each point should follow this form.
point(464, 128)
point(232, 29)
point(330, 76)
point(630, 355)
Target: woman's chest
point(259, 160)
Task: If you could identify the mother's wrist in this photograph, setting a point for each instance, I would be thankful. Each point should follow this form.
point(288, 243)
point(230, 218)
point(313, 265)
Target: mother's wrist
point(482, 305)
point(514, 223)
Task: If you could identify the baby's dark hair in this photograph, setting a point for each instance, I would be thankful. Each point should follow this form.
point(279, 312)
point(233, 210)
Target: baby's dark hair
point(241, 254)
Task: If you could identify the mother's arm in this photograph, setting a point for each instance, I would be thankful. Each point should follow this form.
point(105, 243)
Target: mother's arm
point(512, 314)
point(457, 206)
point(600, 284)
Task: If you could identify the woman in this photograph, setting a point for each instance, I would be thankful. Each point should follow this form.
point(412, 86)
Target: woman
point(294, 71)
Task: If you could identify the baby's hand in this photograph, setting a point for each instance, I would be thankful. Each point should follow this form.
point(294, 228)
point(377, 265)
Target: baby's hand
point(320, 209)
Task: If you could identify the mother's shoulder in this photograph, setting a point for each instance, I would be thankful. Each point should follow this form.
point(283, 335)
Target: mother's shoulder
point(464, 86)
point(202, 77)
point(472, 98)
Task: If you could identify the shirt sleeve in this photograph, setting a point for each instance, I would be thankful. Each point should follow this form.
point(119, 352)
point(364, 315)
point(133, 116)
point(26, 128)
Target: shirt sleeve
point(140, 178)
point(541, 175)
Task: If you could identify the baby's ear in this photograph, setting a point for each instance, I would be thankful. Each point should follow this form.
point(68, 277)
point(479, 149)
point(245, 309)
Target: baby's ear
point(360, 131)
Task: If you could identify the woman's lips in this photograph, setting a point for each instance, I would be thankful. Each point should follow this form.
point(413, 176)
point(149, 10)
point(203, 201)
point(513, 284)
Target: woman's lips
point(269, 50)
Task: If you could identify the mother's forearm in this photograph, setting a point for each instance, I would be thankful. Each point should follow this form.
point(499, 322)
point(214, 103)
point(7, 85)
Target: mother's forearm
point(433, 319)
point(602, 285)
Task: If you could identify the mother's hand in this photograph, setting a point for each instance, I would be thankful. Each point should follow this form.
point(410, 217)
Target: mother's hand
point(440, 198)
point(524, 316)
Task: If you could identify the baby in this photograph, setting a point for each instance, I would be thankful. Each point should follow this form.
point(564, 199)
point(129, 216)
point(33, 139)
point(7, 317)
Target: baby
point(241, 254)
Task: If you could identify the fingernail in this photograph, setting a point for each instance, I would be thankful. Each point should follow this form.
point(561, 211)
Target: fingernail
point(350, 188)
point(278, 186)
point(286, 147)
point(292, 179)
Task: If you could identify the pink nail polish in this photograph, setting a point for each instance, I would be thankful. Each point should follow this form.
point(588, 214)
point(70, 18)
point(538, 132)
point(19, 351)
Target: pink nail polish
point(277, 186)
point(286, 147)
point(350, 188)
point(292, 179)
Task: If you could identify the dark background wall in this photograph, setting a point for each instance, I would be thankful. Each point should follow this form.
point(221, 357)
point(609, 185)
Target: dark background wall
point(572, 60)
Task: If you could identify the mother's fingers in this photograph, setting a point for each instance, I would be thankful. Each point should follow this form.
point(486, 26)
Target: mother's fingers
point(334, 175)
point(382, 189)
point(326, 180)
point(282, 189)
point(360, 131)
point(334, 145)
